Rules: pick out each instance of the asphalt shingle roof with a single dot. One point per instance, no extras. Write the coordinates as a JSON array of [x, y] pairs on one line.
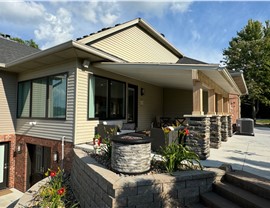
[[187, 60], [11, 50]]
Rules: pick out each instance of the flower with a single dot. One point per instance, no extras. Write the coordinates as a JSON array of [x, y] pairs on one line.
[[61, 191], [52, 173]]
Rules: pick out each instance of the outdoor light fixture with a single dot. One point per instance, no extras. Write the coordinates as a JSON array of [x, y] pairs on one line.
[[19, 148], [142, 91], [55, 156], [86, 63]]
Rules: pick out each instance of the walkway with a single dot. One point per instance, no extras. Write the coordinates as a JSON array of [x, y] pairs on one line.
[[248, 153], [10, 199]]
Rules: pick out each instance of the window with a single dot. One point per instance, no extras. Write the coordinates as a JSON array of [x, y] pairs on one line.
[[106, 98], [24, 99], [43, 98], [57, 96]]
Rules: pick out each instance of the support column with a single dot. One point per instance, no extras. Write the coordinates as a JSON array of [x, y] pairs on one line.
[[199, 138], [215, 132], [219, 104], [224, 128], [197, 98], [230, 131], [226, 106], [211, 102]]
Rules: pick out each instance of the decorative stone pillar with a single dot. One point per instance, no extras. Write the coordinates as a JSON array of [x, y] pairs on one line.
[[224, 128], [230, 131], [215, 132], [199, 138]]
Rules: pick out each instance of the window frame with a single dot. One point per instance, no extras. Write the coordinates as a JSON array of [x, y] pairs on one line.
[[47, 98], [109, 97]]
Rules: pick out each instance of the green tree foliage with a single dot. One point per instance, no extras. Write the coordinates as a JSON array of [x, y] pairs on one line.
[[30, 42], [249, 52]]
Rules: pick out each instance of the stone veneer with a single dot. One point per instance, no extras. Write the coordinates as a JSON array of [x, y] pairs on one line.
[[96, 186], [230, 131], [199, 138], [131, 158], [224, 128], [215, 132]]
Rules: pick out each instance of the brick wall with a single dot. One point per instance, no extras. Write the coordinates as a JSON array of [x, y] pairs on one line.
[[234, 107], [21, 159], [11, 139], [96, 186]]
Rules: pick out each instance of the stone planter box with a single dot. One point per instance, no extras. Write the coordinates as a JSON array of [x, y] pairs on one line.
[[131, 154]]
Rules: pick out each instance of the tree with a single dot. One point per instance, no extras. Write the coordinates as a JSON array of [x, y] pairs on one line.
[[30, 42], [249, 52]]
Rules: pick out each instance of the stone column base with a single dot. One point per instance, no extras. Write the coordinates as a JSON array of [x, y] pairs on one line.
[[224, 128], [215, 132], [199, 138]]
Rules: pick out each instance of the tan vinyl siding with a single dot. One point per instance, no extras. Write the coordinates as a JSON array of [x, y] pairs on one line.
[[85, 129], [149, 105], [8, 88], [134, 45], [52, 128], [177, 102]]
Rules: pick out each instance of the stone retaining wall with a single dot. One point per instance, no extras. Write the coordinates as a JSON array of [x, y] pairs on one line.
[[199, 139], [96, 186]]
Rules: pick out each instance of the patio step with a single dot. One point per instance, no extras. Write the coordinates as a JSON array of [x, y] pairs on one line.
[[214, 200], [250, 182], [240, 196]]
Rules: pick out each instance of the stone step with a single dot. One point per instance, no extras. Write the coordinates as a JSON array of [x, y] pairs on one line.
[[240, 196], [214, 200], [255, 184]]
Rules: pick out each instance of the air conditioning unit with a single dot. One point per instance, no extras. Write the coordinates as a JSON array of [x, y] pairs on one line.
[[245, 126]]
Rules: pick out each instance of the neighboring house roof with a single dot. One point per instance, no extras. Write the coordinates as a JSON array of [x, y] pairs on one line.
[[11, 50]]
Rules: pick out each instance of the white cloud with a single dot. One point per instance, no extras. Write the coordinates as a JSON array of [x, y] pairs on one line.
[[195, 35], [105, 13], [23, 12], [180, 6], [55, 29]]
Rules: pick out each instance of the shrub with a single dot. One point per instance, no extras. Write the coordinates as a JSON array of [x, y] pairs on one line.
[[177, 157]]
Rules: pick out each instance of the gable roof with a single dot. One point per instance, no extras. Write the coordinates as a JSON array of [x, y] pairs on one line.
[[129, 39], [11, 50]]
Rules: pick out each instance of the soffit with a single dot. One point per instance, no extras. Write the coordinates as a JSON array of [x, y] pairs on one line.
[[170, 75]]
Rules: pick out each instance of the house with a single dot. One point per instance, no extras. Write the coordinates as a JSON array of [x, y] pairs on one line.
[[126, 73]]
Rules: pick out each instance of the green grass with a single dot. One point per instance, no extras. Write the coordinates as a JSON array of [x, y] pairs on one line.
[[262, 121]]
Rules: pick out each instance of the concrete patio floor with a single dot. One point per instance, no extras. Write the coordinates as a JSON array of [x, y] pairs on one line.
[[248, 153]]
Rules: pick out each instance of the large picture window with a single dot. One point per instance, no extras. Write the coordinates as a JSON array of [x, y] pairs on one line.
[[106, 98], [43, 98]]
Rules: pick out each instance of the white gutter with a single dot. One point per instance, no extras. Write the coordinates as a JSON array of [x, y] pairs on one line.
[[224, 72], [235, 74], [159, 65]]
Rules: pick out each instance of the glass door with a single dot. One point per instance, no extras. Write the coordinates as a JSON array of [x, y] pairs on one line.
[[4, 165], [132, 104]]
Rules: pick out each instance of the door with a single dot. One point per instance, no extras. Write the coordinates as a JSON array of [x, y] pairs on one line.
[[4, 165], [39, 162], [132, 104]]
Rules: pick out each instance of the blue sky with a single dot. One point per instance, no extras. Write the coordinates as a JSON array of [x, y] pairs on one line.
[[199, 29]]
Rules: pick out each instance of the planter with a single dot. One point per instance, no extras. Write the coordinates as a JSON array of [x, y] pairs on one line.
[[131, 154]]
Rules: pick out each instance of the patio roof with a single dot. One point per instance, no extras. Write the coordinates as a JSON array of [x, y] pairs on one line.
[[172, 75]]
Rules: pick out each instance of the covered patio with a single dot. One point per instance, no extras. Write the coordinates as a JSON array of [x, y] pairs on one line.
[[197, 91]]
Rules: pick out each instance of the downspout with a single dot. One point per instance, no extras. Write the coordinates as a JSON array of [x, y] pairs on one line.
[[63, 155]]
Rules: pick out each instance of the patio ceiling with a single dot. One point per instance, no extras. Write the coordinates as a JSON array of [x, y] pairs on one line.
[[171, 75]]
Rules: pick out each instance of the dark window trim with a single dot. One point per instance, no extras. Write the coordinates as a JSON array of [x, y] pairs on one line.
[[47, 97], [109, 97]]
